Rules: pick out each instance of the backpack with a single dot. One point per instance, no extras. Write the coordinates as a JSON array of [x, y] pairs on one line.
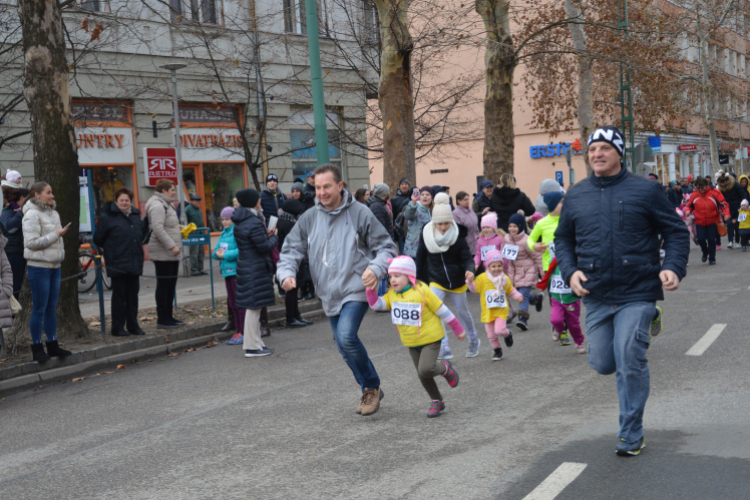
[[146, 226]]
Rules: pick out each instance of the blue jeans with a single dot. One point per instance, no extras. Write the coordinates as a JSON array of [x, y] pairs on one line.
[[345, 327], [618, 339], [45, 290], [383, 286], [527, 295]]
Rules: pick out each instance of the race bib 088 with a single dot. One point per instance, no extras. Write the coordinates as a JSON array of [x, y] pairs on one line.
[[494, 302], [406, 313]]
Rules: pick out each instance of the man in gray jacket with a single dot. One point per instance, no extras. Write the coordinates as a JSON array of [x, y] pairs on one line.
[[348, 250]]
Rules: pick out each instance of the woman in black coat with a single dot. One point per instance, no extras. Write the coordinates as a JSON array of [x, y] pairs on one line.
[[254, 267], [119, 235], [507, 200], [290, 213]]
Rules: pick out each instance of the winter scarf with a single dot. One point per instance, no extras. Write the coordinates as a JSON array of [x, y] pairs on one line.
[[439, 243]]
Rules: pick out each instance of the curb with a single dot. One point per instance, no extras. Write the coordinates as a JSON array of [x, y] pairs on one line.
[[29, 374]]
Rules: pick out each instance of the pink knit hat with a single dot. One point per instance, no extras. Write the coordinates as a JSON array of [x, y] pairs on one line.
[[404, 265], [536, 217], [492, 256], [490, 220]]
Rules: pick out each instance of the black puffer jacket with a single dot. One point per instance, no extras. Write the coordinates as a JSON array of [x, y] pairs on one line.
[[381, 213], [270, 203], [506, 202], [447, 269], [609, 229], [121, 239], [290, 213], [13, 229], [254, 266], [398, 203], [734, 194]]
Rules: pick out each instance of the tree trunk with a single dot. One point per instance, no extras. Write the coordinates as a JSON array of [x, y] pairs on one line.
[[706, 91], [585, 79], [500, 63], [47, 94], [395, 93]]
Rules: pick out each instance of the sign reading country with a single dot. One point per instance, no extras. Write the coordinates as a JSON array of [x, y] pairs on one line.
[[161, 163], [556, 149]]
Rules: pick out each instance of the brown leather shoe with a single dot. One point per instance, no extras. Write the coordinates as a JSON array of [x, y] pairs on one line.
[[370, 401]]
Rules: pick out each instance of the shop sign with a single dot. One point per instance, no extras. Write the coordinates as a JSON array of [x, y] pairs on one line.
[[97, 112], [211, 144], [728, 146], [193, 114], [103, 145], [211, 140], [161, 163], [654, 142], [556, 149], [687, 147]]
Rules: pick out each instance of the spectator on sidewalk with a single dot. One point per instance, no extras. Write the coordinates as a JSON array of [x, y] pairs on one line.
[[271, 198], [197, 252], [6, 288], [44, 252], [298, 193], [12, 220], [226, 253], [164, 250], [120, 236], [254, 268], [290, 214]]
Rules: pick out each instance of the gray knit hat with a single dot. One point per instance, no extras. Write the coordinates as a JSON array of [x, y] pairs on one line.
[[298, 186], [381, 190]]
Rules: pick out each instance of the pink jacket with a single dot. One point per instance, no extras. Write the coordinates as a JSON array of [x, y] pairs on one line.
[[483, 242], [527, 268]]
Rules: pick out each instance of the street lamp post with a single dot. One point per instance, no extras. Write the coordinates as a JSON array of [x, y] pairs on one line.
[[173, 67]]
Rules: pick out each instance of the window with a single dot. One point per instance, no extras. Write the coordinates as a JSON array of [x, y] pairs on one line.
[[107, 180], [90, 5], [371, 23], [305, 153], [439, 171], [295, 17], [201, 11]]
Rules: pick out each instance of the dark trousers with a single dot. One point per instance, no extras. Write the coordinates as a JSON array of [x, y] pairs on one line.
[[707, 236], [733, 231], [743, 239], [237, 312], [125, 302], [292, 305], [428, 367], [166, 282], [18, 266]]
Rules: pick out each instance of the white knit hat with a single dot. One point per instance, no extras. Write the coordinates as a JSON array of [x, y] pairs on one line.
[[405, 265], [441, 212]]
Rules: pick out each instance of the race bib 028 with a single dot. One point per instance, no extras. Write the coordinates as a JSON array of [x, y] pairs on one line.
[[406, 313], [557, 285], [495, 302]]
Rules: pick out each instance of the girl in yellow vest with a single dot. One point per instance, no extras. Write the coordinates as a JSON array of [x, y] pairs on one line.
[[417, 313], [494, 287], [744, 219]]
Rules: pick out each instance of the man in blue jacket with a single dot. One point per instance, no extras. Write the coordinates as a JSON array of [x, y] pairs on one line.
[[607, 248]]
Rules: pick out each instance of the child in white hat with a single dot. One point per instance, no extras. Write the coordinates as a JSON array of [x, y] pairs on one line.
[[417, 314]]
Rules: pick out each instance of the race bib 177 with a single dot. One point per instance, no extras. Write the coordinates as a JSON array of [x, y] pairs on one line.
[[510, 252], [485, 249]]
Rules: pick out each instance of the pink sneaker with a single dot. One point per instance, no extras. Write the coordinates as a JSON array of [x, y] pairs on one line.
[[450, 374]]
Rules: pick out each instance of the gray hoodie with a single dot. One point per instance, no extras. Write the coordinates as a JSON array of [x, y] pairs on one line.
[[340, 244], [548, 186]]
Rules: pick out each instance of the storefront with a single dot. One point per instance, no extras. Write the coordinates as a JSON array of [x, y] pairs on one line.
[[213, 162], [104, 137]]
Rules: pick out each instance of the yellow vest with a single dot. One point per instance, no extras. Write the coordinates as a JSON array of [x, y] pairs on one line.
[[745, 224], [490, 313]]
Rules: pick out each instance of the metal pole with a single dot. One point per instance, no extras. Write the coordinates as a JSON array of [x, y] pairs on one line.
[[316, 80], [742, 165], [98, 257], [178, 149]]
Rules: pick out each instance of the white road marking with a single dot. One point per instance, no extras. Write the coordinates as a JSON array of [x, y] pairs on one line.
[[706, 341], [556, 482]]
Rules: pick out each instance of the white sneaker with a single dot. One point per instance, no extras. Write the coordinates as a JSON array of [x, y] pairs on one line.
[[581, 349], [473, 350], [730, 245]]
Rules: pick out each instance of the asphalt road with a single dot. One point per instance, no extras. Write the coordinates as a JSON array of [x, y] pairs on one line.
[[213, 424]]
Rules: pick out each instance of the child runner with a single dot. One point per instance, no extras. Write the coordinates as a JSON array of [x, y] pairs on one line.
[[443, 260], [494, 287], [566, 308], [744, 219], [226, 252], [523, 267], [544, 230], [416, 311], [490, 239]]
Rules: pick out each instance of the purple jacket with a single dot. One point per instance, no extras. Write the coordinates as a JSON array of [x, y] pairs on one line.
[[467, 218]]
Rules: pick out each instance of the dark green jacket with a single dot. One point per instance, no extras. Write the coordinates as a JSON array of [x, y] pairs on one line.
[[194, 215]]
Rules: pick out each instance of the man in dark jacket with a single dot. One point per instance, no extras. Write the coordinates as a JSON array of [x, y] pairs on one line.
[[733, 194], [483, 203], [607, 248], [310, 184], [254, 268], [197, 252], [398, 203], [271, 198], [376, 202]]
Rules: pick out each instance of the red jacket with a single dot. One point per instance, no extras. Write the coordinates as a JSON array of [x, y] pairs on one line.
[[706, 206]]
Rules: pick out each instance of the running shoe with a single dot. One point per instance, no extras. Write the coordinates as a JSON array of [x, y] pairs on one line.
[[435, 408], [450, 374], [657, 325], [521, 324], [509, 340], [711, 262], [539, 302], [555, 335], [564, 338], [236, 339], [498, 354], [730, 245], [718, 247], [704, 257], [581, 348], [446, 353], [254, 353], [624, 448], [473, 350]]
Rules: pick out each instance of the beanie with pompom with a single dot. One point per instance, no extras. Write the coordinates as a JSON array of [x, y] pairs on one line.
[[490, 220], [442, 212]]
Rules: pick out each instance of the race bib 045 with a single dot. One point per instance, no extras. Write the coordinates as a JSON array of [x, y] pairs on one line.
[[495, 302], [406, 313]]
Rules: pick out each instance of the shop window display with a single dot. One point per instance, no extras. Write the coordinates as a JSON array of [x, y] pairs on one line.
[[219, 184], [106, 181]]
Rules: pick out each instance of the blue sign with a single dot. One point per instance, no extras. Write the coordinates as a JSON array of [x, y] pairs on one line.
[[559, 176], [654, 141], [197, 239], [552, 150]]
